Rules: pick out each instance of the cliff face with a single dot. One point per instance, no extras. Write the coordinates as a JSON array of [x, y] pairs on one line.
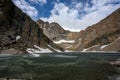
[[52, 30], [57, 34], [18, 31], [102, 33]]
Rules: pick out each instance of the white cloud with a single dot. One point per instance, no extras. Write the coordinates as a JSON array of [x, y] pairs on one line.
[[26, 7], [69, 17], [38, 1]]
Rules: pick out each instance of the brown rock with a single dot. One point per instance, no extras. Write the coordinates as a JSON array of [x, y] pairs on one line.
[[114, 46], [11, 51]]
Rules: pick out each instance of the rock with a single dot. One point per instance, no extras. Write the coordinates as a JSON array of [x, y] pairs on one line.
[[116, 63], [11, 51], [13, 23], [104, 32], [114, 46], [94, 48]]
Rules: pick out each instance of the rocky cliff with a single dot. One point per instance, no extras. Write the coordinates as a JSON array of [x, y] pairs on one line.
[[93, 37], [58, 35], [18, 31], [102, 33]]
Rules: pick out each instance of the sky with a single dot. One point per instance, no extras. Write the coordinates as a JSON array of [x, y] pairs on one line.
[[73, 15]]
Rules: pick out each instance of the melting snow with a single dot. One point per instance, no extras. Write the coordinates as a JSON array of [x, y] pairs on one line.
[[30, 50], [84, 50], [54, 48], [38, 50], [42, 50], [65, 56], [68, 51], [18, 37], [103, 46], [64, 41]]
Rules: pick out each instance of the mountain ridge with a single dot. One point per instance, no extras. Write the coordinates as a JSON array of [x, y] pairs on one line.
[[102, 33]]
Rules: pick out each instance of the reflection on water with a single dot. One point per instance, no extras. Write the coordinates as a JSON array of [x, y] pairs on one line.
[[54, 66]]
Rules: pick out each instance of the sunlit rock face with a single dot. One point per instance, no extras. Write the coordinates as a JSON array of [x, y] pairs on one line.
[[106, 32], [14, 23], [103, 33], [114, 46]]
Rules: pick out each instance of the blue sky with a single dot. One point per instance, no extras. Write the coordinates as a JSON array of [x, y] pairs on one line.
[[73, 15]]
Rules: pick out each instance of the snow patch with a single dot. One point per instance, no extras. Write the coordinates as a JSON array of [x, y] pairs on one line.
[[17, 38], [64, 41], [30, 50], [42, 50], [38, 50], [65, 56], [54, 48], [85, 50], [68, 51], [110, 43], [103, 46]]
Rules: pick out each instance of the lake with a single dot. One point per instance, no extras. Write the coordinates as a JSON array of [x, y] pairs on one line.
[[60, 66]]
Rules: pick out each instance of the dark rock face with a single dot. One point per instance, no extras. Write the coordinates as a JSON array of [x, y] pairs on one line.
[[53, 30], [13, 23]]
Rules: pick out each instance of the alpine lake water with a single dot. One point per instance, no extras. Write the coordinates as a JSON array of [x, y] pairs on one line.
[[60, 66]]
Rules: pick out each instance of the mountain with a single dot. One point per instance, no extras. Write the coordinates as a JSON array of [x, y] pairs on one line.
[[19, 33], [57, 34], [52, 30], [93, 38], [104, 32]]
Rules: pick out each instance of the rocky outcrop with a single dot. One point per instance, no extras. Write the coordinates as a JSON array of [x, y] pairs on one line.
[[18, 31], [114, 46], [53, 30], [11, 51], [115, 63]]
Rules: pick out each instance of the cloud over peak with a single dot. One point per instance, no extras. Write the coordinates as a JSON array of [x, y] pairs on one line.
[[77, 16], [73, 15], [38, 1]]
